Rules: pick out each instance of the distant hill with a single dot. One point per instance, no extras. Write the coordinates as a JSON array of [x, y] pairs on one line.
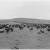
[[27, 20]]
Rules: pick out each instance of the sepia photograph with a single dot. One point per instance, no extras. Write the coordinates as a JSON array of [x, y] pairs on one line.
[[24, 24]]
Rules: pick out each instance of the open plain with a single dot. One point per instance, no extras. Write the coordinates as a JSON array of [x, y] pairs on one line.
[[24, 33]]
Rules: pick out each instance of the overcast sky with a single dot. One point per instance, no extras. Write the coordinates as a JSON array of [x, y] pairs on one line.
[[25, 9]]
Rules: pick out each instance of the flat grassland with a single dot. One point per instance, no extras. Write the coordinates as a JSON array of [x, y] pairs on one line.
[[29, 39]]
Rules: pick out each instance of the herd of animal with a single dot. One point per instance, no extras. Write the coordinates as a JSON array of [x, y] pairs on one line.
[[30, 26], [9, 27]]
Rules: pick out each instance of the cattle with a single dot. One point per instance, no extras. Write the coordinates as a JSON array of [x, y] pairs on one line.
[[7, 29], [48, 29], [31, 28], [20, 27], [11, 29], [42, 31], [1, 31], [43, 26], [17, 25]]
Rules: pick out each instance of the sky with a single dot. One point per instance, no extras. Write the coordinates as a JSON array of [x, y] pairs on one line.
[[35, 9]]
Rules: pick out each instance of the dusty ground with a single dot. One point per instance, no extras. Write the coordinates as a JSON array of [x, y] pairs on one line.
[[26, 37]]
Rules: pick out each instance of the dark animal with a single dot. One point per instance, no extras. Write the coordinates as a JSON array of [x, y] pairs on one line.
[[41, 31], [7, 29], [11, 29], [2, 31], [48, 29]]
